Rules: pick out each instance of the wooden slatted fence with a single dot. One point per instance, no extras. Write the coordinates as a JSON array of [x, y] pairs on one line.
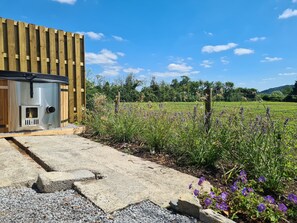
[[31, 48]]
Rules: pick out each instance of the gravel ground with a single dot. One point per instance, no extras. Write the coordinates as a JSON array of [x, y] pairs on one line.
[[25, 205]]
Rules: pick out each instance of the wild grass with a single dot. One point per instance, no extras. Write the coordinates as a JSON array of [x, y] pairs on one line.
[[248, 135]]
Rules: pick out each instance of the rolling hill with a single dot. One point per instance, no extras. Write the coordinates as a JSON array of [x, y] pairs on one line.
[[280, 88]]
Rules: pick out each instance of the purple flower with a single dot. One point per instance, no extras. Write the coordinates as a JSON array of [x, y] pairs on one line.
[[250, 190], [269, 199], [196, 192], [234, 187], [243, 176], [201, 180], [222, 206], [190, 186], [242, 173], [212, 194], [282, 207], [261, 179], [261, 207], [293, 198], [224, 196], [244, 191], [207, 202]]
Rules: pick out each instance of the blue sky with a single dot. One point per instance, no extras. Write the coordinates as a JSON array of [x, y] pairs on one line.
[[252, 43]]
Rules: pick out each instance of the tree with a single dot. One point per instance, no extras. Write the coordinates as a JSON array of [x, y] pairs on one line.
[[128, 89], [276, 96], [293, 95], [287, 90], [91, 90], [184, 81], [294, 92], [229, 91]]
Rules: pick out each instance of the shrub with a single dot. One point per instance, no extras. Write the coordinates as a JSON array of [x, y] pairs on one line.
[[124, 126], [157, 132]]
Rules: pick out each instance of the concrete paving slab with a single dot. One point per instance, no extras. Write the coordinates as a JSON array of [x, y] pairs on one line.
[[114, 192], [50, 182], [15, 168], [128, 176]]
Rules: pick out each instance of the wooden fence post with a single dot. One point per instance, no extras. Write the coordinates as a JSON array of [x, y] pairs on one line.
[[208, 108], [195, 113], [117, 103]]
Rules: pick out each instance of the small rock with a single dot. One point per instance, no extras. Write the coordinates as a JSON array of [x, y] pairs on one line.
[[210, 216], [50, 182], [186, 204]]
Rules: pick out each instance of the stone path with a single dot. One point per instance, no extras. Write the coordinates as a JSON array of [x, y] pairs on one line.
[[126, 179], [15, 168], [115, 180]]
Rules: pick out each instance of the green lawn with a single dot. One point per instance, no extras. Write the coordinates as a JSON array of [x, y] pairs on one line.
[[278, 110]]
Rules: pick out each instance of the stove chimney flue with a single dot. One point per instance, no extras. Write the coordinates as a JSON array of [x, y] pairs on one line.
[[50, 109]]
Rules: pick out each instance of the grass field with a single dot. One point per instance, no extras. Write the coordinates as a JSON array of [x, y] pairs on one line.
[[278, 110]]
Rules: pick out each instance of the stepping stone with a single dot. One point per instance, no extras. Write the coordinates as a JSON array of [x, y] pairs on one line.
[[16, 169], [50, 182], [114, 192]]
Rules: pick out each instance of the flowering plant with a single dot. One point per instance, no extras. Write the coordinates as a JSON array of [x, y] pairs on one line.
[[244, 199]]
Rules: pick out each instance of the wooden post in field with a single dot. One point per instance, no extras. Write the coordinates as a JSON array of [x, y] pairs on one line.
[[208, 109], [117, 103], [195, 113]]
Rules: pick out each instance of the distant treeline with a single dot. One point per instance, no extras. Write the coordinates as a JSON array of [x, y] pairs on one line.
[[183, 90]]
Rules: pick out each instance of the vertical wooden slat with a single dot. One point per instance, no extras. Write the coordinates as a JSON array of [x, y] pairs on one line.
[[64, 105], [52, 48], [12, 104], [83, 74], [3, 106], [61, 53], [11, 45], [22, 45], [70, 77], [1, 46], [78, 78], [42, 46], [33, 48]]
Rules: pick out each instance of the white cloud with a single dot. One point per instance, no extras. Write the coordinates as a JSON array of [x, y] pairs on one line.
[[256, 39], [142, 77], [93, 35], [288, 13], [243, 51], [288, 74], [70, 2], [166, 74], [133, 70], [118, 38], [111, 71], [206, 63], [224, 60], [217, 48], [103, 57], [179, 67], [121, 54], [208, 33], [271, 59], [173, 74]]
